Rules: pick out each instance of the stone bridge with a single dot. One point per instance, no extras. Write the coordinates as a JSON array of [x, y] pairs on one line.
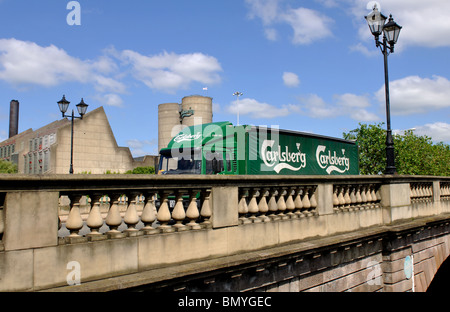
[[222, 233]]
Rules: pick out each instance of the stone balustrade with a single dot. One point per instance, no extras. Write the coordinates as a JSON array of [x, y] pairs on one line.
[[264, 204], [348, 197], [164, 220], [421, 192], [118, 214], [445, 191]]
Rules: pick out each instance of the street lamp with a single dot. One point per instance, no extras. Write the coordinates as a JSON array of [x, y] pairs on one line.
[[81, 107], [390, 31], [237, 94]]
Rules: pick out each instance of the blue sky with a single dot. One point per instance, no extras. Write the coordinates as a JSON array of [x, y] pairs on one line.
[[301, 65]]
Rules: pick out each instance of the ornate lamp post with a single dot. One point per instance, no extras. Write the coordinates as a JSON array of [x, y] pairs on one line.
[[63, 106], [390, 31]]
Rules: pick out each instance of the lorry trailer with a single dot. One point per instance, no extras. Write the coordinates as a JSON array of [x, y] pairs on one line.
[[221, 148]]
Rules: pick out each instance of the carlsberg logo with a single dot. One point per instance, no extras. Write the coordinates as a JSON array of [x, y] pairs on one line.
[[331, 161], [279, 158], [187, 137]]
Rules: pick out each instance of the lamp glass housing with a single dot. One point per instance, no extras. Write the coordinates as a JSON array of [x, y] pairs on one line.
[[63, 104], [376, 21], [391, 31], [82, 107]]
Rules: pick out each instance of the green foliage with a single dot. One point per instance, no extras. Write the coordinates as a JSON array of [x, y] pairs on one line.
[[414, 155], [7, 167], [111, 172], [142, 170]]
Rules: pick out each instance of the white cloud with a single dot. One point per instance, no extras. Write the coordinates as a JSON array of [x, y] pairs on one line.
[[143, 147], [266, 10], [169, 72], [314, 106], [438, 131], [290, 79], [308, 25], [350, 105], [256, 109], [110, 99], [24, 63], [416, 95]]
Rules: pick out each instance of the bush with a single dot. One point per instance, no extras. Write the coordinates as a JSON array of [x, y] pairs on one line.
[[142, 170], [7, 167]]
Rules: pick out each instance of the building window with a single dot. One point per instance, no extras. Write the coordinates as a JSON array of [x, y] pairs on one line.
[[46, 160], [25, 164]]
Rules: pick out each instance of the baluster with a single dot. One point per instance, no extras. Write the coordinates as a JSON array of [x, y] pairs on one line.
[[178, 213], [273, 207], [335, 198], [148, 215], [95, 220], [243, 208], [363, 197], [163, 216], [263, 207], [347, 198], [298, 201], [192, 212], [312, 199], [374, 196], [253, 208], [113, 219], [131, 217], [206, 209], [358, 197], [281, 203], [305, 201], [369, 203], [290, 205], [353, 200], [74, 222], [341, 197]]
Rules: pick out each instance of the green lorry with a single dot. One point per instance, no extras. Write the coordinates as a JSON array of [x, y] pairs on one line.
[[221, 148]]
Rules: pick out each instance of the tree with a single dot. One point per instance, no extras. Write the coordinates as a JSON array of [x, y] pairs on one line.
[[7, 167], [414, 154]]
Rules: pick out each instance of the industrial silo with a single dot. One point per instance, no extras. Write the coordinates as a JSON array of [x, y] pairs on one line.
[[168, 123], [196, 108]]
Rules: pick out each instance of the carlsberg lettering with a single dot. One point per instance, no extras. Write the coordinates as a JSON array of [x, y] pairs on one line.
[[279, 158], [331, 161], [187, 137]]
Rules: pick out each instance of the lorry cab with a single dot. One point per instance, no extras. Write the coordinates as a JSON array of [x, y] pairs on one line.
[[200, 149]]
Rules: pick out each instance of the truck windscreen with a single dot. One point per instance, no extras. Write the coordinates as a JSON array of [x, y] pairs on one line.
[[179, 165]]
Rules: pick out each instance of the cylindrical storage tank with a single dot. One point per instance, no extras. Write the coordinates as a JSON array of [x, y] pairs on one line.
[[168, 123], [201, 107]]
